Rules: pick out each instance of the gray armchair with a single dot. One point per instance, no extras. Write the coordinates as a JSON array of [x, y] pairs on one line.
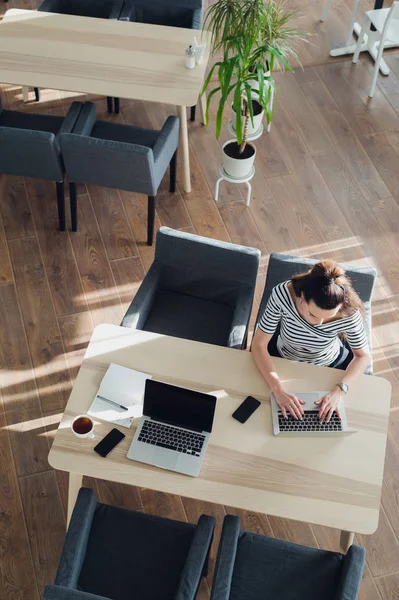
[[256, 567], [112, 553], [173, 13], [197, 288], [29, 147], [282, 267], [119, 156], [100, 9]]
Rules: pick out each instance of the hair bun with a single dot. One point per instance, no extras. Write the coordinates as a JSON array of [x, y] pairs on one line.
[[328, 269]]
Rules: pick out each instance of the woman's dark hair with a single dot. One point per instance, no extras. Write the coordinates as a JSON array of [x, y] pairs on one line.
[[328, 286]]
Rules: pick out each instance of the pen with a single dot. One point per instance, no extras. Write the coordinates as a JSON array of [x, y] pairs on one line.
[[112, 402]]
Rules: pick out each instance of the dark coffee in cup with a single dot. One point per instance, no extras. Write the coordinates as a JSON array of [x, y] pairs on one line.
[[82, 425]]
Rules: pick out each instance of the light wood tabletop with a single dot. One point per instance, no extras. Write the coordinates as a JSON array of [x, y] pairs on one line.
[[101, 56], [333, 481]]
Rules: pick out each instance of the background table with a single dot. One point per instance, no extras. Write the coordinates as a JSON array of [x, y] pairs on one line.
[[102, 56], [333, 482]]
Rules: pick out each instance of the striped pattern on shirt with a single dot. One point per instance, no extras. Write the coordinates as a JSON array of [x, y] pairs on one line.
[[299, 340]]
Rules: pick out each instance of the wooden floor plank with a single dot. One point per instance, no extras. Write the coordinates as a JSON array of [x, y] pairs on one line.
[[347, 83], [15, 208], [310, 181], [45, 524], [76, 331], [111, 217], [136, 209], [339, 130], [118, 494], [390, 490], [56, 249], [297, 106], [162, 505], [293, 531], [6, 275], [384, 158], [129, 274], [388, 586], [381, 548], [17, 576], [98, 282], [18, 382], [41, 325]]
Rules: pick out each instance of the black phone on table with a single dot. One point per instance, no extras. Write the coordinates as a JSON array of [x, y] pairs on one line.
[[109, 442], [246, 409]]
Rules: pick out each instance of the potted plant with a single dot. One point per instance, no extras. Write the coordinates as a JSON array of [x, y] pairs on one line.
[[236, 28]]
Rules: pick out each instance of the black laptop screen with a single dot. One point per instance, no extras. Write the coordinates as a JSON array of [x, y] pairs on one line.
[[178, 406]]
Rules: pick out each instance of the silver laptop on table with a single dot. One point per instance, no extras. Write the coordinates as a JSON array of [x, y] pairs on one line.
[[174, 430], [310, 424]]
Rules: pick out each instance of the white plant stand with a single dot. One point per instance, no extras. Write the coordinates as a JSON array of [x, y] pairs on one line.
[[226, 177]]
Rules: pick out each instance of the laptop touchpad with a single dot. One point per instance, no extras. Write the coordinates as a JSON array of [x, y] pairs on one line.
[[166, 459]]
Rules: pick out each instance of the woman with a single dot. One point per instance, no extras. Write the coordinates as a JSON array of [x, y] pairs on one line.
[[314, 312]]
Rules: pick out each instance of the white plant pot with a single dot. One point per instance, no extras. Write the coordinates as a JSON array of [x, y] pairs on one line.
[[252, 129], [255, 84], [238, 168]]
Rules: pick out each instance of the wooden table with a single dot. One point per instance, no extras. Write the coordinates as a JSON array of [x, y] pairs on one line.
[[332, 482], [101, 56]]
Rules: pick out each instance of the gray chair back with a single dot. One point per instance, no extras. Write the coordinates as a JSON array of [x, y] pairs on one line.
[[282, 267], [109, 163], [30, 153], [101, 9], [179, 13], [204, 267]]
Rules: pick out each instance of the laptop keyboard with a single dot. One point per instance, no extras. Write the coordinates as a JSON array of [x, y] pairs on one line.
[[310, 422], [171, 438]]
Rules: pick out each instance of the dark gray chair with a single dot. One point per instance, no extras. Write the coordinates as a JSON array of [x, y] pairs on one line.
[[112, 553], [282, 267], [197, 288], [120, 156], [173, 13], [100, 9], [254, 567], [29, 147]]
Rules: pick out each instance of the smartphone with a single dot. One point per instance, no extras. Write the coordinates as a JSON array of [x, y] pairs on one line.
[[109, 442], [245, 410]]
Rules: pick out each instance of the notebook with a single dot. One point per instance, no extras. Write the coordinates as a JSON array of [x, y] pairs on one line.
[[125, 387]]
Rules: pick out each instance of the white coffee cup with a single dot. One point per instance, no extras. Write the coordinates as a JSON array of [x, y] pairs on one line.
[[82, 426]]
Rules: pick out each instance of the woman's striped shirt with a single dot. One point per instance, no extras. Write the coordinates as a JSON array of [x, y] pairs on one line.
[[299, 340]]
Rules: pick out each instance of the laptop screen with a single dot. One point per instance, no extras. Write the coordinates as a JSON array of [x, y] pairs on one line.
[[178, 406]]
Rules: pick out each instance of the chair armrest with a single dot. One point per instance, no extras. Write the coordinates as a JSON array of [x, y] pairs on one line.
[[86, 120], [167, 140], [165, 146], [128, 12], [74, 550], [50, 6], [116, 10], [351, 574], [226, 558], [71, 118], [242, 314], [196, 559], [55, 592], [197, 20], [140, 307]]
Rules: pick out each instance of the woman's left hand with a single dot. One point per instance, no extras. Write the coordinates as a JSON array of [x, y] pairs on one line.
[[330, 403]]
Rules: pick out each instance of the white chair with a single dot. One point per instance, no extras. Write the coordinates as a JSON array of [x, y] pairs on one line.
[[386, 22]]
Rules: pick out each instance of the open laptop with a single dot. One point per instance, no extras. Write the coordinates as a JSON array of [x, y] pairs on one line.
[[310, 424], [174, 430]]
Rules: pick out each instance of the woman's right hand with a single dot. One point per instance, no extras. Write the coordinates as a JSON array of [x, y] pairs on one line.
[[289, 403]]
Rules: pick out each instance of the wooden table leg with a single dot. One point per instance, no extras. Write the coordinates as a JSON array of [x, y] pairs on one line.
[[25, 93], [184, 146], [75, 483], [346, 540]]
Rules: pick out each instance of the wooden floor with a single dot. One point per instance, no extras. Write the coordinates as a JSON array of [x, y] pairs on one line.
[[327, 184]]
